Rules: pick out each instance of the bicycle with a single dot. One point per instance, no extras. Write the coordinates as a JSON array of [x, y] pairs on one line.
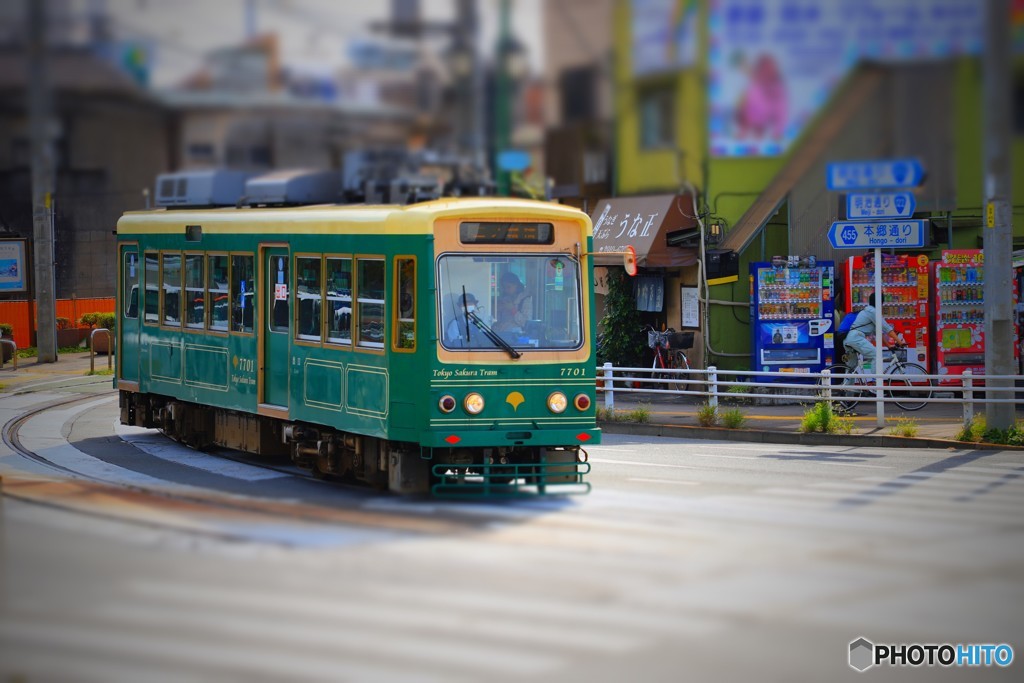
[[849, 386], [670, 354]]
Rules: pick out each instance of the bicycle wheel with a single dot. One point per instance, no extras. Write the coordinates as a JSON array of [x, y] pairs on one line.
[[912, 389], [684, 379], [847, 388], [666, 380]]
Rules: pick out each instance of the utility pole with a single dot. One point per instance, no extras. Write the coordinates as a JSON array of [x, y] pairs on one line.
[[502, 99], [998, 235], [39, 113]]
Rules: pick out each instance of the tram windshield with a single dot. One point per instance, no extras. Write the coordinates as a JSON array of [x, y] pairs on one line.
[[521, 302]]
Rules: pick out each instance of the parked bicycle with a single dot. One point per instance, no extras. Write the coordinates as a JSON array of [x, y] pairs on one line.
[[905, 382], [670, 354]]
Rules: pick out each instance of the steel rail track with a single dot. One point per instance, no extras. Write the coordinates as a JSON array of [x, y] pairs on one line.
[[271, 510]]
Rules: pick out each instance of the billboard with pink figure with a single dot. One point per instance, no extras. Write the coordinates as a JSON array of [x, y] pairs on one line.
[[774, 63]]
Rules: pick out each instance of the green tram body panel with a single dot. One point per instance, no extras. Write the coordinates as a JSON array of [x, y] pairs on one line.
[[383, 393]]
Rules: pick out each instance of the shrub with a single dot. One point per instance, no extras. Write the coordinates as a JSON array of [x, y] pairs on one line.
[[6, 329], [98, 319], [1014, 436], [622, 343], [707, 415], [904, 426], [63, 323], [821, 418], [641, 414], [737, 394], [734, 418]]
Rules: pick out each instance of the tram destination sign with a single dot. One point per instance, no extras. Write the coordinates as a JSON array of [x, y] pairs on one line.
[[880, 174], [879, 234]]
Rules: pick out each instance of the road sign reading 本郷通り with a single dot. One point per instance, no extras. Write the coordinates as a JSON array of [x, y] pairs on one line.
[[863, 175], [860, 206], [895, 234]]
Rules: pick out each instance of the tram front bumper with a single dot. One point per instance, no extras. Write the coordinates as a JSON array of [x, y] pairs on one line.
[[509, 436]]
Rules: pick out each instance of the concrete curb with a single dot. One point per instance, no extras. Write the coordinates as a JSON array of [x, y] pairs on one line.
[[813, 439]]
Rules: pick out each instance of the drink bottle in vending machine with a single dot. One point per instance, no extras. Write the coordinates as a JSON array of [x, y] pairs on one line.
[[905, 292], [791, 315], [958, 296]]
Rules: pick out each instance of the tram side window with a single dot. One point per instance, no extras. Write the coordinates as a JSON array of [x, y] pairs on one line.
[[339, 300], [194, 292], [308, 286], [405, 303], [130, 286], [370, 302], [242, 290], [171, 288], [217, 291], [152, 298]]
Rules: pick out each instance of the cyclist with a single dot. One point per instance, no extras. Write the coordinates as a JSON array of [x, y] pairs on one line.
[[863, 325]]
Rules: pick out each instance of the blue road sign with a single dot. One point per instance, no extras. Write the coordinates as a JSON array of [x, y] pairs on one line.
[[894, 234], [863, 175], [860, 206]]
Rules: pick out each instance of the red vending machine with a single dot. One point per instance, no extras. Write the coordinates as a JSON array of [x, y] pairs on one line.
[[905, 286], [959, 294]]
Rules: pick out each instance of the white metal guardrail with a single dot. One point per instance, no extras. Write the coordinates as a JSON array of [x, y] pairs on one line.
[[714, 383]]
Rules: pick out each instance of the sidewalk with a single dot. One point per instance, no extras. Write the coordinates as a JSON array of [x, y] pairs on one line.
[[676, 416], [30, 370]]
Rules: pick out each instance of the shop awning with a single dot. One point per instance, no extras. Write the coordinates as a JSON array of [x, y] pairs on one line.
[[656, 226]]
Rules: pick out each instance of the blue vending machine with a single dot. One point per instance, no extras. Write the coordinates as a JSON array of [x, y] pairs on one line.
[[791, 315]]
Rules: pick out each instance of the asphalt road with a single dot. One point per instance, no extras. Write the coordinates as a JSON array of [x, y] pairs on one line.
[[690, 560]]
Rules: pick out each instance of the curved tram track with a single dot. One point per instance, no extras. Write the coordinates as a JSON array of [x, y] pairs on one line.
[[203, 508]]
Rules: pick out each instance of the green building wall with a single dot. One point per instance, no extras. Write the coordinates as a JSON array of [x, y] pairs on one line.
[[728, 186]]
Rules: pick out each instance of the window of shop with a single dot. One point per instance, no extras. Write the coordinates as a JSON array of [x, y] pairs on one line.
[[656, 117]]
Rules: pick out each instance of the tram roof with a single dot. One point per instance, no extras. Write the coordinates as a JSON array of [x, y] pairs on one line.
[[345, 218]]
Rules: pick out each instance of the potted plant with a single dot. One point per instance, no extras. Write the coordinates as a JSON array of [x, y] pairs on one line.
[[96, 321], [67, 335], [6, 332]]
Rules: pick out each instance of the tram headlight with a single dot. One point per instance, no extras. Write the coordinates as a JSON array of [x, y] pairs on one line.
[[447, 403], [582, 402], [557, 402], [473, 403]]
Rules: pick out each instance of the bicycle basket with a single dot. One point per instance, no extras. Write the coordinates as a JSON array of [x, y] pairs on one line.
[[655, 338], [901, 354], [680, 340]]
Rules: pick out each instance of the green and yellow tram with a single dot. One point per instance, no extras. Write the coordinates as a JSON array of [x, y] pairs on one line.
[[444, 346]]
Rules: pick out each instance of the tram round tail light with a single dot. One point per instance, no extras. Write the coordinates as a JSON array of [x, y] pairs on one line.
[[473, 403], [582, 402], [557, 402], [447, 403]]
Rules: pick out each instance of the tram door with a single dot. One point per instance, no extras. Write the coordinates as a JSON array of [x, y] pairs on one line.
[[128, 317], [274, 369]]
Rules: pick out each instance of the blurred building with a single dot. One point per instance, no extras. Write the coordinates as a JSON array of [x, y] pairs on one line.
[[244, 110], [578, 100], [735, 108], [110, 140]]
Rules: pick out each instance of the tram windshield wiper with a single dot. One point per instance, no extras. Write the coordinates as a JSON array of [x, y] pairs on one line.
[[492, 335]]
